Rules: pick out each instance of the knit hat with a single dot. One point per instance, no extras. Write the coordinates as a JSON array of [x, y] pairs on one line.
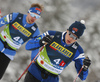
[[78, 28]]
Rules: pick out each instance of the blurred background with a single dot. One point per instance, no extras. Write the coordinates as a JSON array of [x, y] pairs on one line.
[[59, 15]]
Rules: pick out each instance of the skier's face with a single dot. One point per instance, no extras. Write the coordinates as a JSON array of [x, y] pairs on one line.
[[70, 37], [31, 18]]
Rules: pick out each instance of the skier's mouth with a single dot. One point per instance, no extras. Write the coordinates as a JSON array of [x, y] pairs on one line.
[[68, 41], [32, 20]]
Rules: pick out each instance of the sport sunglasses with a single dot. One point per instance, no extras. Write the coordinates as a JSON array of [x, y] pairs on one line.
[[34, 15], [72, 36]]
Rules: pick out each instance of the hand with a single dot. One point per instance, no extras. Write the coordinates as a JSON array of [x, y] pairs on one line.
[[86, 63], [46, 39]]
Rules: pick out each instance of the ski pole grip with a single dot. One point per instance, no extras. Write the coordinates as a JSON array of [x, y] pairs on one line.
[[86, 57], [45, 44]]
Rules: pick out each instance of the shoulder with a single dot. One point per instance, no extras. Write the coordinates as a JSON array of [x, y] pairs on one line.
[[80, 49], [37, 32], [51, 32], [12, 16], [79, 53], [15, 13]]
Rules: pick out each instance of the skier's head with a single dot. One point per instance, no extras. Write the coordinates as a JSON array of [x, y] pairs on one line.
[[34, 13], [35, 8], [77, 28], [75, 31]]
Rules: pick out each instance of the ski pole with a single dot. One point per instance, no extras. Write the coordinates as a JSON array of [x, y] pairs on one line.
[[30, 64], [80, 69], [78, 73]]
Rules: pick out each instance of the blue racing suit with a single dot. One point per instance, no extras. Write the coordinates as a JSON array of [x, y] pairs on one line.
[[16, 33], [55, 57]]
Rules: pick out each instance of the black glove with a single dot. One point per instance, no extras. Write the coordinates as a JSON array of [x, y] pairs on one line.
[[86, 63], [46, 39]]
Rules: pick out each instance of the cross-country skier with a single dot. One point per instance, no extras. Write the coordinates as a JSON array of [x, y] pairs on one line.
[[60, 51], [19, 28]]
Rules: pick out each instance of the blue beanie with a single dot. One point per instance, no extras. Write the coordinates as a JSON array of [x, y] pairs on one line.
[[77, 28]]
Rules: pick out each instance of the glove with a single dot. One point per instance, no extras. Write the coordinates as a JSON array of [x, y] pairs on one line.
[[46, 39], [86, 63]]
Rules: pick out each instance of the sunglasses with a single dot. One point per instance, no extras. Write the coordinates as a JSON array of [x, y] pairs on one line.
[[34, 15], [72, 36]]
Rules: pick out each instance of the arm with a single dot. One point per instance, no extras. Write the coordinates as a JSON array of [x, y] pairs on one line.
[[79, 57], [35, 43], [78, 65], [32, 44]]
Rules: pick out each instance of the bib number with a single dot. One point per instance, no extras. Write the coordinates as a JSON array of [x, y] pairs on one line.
[[57, 61], [16, 38]]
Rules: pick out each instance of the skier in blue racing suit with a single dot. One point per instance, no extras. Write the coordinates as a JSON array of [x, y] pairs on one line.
[[61, 50], [19, 29]]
